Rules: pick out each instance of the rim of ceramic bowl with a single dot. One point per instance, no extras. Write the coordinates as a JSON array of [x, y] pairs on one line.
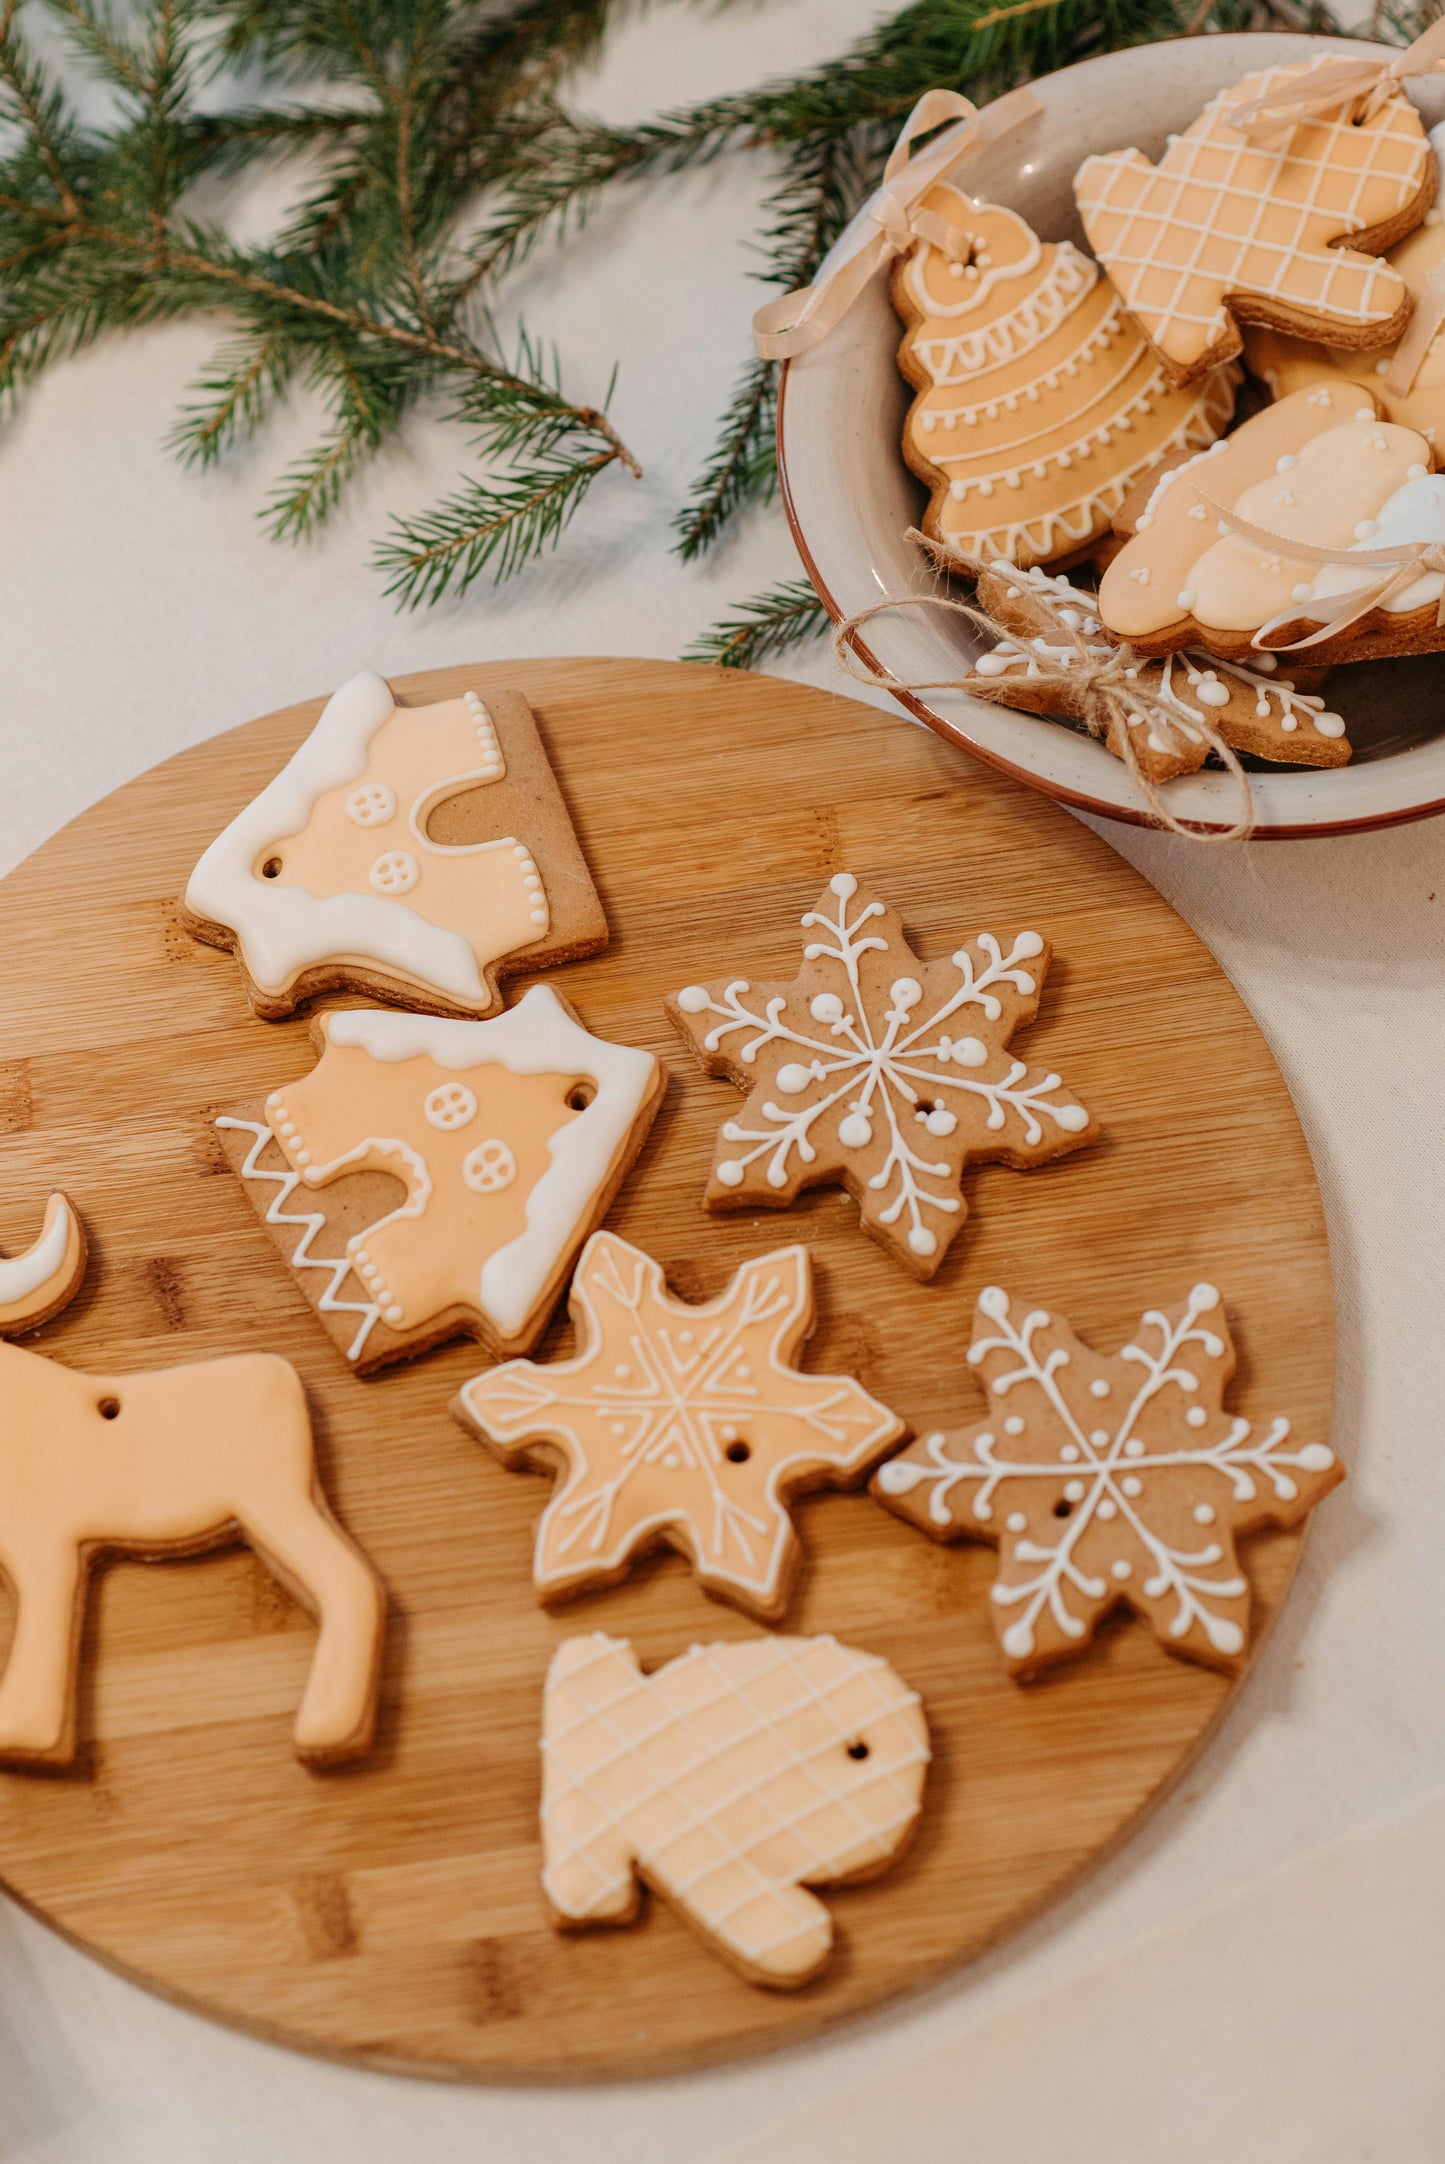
[[1226, 57]]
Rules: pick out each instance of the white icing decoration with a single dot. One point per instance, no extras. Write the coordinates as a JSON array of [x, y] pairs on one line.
[[1415, 512], [284, 930], [395, 872], [371, 805], [450, 1105], [489, 1167], [23, 1275], [537, 1036]]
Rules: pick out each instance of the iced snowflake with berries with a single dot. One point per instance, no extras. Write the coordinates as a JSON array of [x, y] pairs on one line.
[[687, 1424], [1108, 1481], [881, 1072]]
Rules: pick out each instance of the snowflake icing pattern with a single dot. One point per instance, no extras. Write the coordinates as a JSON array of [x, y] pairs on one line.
[[683, 1424], [1110, 1480], [890, 1079]]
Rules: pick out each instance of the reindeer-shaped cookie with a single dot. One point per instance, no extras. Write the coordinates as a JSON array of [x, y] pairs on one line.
[[731, 1780], [160, 1464]]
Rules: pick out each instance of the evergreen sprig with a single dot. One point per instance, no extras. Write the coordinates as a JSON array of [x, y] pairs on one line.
[[773, 623], [360, 296]]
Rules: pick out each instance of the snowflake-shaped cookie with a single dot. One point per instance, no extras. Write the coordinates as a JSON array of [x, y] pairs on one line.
[[689, 1425], [881, 1072], [1108, 1481]]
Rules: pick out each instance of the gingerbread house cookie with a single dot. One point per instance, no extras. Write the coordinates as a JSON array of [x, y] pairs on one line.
[[509, 1138], [1040, 402], [410, 853]]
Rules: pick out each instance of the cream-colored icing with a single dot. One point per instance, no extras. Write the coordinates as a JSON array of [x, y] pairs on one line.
[[1045, 402], [334, 861], [167, 1462], [690, 1424], [502, 1172], [32, 1283], [1415, 512], [730, 1780], [1177, 527], [1109, 1480], [1219, 220]]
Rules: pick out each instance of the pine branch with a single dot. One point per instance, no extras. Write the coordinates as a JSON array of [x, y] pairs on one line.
[[788, 616]]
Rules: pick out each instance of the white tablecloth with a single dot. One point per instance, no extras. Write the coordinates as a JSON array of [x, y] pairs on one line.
[[143, 610]]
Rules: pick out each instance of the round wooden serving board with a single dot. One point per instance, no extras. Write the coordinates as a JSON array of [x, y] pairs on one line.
[[392, 1912]]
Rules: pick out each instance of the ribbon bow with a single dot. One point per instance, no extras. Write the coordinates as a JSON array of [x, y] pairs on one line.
[[1399, 565], [1361, 84], [892, 219]]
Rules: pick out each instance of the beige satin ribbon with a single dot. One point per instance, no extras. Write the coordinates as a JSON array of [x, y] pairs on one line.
[[1409, 560], [1339, 83], [892, 221], [1425, 326]]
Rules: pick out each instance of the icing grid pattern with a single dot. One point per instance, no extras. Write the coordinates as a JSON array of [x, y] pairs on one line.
[[660, 1393], [954, 359], [1048, 533], [311, 1223], [589, 1736], [1109, 1475], [1129, 207]]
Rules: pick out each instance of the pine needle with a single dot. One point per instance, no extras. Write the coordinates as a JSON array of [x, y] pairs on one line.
[[776, 622]]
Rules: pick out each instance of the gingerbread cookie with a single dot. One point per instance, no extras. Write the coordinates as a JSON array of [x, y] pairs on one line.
[[730, 1781], [690, 1425], [154, 1465], [411, 853], [1258, 710], [510, 1138], [1223, 231], [1318, 468], [878, 1072], [1110, 1481], [1290, 364], [38, 1284], [1040, 402]]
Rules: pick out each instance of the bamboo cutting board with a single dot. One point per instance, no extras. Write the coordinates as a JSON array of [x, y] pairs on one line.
[[391, 1912]]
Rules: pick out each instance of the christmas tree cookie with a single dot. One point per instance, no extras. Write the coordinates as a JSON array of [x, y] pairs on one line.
[[411, 853], [1039, 402], [880, 1073], [1110, 1481]]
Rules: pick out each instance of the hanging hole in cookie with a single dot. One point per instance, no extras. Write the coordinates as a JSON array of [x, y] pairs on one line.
[[271, 869], [859, 1749], [1063, 1508], [580, 1096], [738, 1453], [108, 1408]]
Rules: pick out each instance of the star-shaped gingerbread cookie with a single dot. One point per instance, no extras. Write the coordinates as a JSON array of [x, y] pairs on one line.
[[881, 1073], [687, 1425], [1110, 1481]]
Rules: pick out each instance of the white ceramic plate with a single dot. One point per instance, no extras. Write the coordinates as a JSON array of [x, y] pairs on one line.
[[851, 499]]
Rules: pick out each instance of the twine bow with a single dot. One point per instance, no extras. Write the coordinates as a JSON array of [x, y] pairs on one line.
[[1400, 566], [1361, 86], [1108, 689], [892, 220]]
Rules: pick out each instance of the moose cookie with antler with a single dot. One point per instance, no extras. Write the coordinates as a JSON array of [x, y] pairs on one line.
[[878, 1072], [411, 853], [1040, 402], [1230, 228], [1286, 525]]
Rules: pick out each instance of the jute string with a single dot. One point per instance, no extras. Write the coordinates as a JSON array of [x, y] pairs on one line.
[[1099, 685]]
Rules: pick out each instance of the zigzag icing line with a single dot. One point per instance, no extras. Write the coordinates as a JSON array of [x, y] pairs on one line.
[[1071, 277], [311, 1223]]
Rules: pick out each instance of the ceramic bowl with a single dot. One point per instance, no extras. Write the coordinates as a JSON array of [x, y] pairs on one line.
[[850, 498]]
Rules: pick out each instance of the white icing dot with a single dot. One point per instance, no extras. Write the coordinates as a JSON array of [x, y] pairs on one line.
[[1072, 1118], [1366, 413], [921, 1241], [1416, 473], [827, 1007], [844, 885], [693, 998], [1212, 693], [793, 1078], [1285, 464], [395, 872], [1121, 1567], [1330, 724], [730, 1173], [1068, 1452], [1108, 1508], [1133, 1448], [392, 1315], [1098, 1436], [1098, 1388], [1016, 1521], [1132, 1484], [1204, 1297], [1204, 1514], [855, 1132], [1075, 1490], [940, 1121], [1013, 1425], [1316, 1457], [1185, 598], [1196, 1416]]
